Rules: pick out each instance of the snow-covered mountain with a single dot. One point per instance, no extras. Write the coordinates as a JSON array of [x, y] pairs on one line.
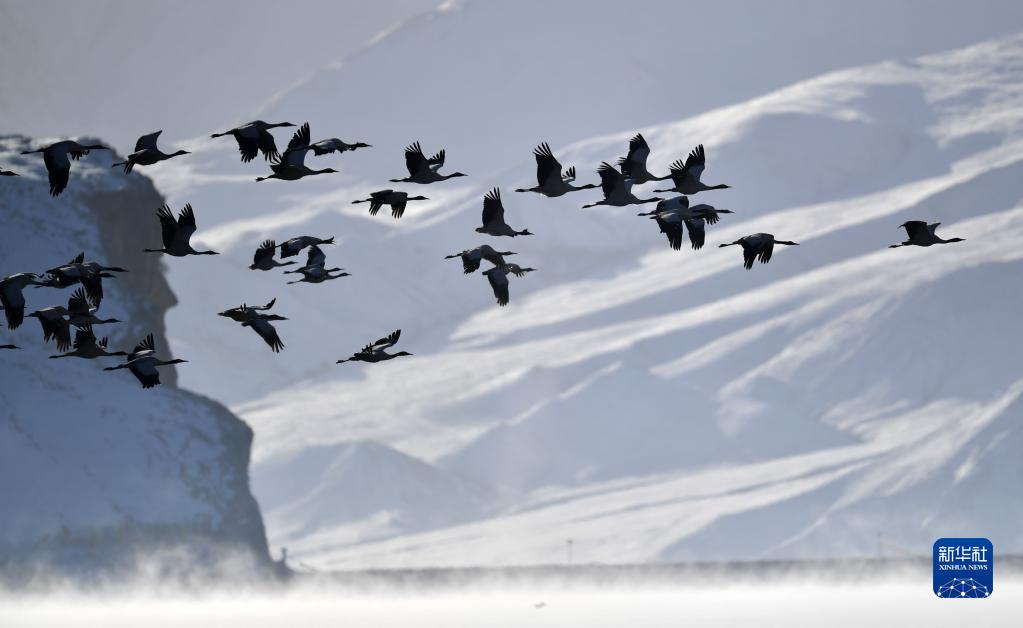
[[94, 470], [660, 405], [646, 403]]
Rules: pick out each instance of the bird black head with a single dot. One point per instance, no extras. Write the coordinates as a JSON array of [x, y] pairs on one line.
[[457, 174], [417, 198]]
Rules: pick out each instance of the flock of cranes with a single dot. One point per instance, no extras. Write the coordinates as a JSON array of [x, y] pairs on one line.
[[675, 217]]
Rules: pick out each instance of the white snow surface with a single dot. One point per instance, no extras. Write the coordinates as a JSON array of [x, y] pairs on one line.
[[650, 405]]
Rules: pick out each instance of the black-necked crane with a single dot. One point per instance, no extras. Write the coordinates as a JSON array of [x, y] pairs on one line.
[[258, 322], [55, 325], [922, 234], [498, 278], [58, 156], [633, 165], [686, 176], [617, 189], [263, 259], [674, 216], [471, 258], [177, 234], [493, 217], [315, 270], [147, 153], [8, 173], [294, 246], [9, 347], [757, 246], [332, 145], [377, 351], [240, 314], [90, 274], [550, 180], [423, 170], [291, 164], [255, 137], [397, 200], [12, 298], [87, 347], [143, 363], [82, 312]]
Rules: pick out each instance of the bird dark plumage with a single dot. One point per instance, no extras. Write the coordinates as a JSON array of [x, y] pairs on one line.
[[757, 246], [143, 363], [471, 258], [922, 234], [177, 234], [493, 217], [57, 158], [377, 351], [423, 170]]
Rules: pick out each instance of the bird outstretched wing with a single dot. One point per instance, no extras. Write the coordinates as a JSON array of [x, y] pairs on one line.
[[168, 225], [546, 164], [609, 178], [493, 209], [415, 160], [147, 142]]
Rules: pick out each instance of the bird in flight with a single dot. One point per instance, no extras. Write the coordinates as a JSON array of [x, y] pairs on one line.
[[377, 351], [922, 234], [57, 158], [757, 246], [550, 180], [146, 153], [177, 234], [423, 170], [686, 176], [143, 363], [254, 138]]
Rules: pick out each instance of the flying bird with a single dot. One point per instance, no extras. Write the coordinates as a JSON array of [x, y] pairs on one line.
[[333, 144], [54, 325], [12, 298], [146, 153], [498, 278], [254, 319], [395, 199], [686, 176], [757, 246], [471, 258], [177, 234], [290, 166], [315, 270], [922, 234], [89, 274], [550, 181], [143, 363], [493, 217], [263, 259], [294, 246], [633, 165], [674, 216], [57, 158], [423, 170], [81, 312], [377, 351], [87, 347], [617, 189], [255, 137], [240, 314], [8, 173]]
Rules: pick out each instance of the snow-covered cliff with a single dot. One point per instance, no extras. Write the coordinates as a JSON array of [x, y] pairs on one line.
[[94, 470]]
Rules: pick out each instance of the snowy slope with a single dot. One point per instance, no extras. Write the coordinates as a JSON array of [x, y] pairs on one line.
[[92, 467], [660, 405]]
